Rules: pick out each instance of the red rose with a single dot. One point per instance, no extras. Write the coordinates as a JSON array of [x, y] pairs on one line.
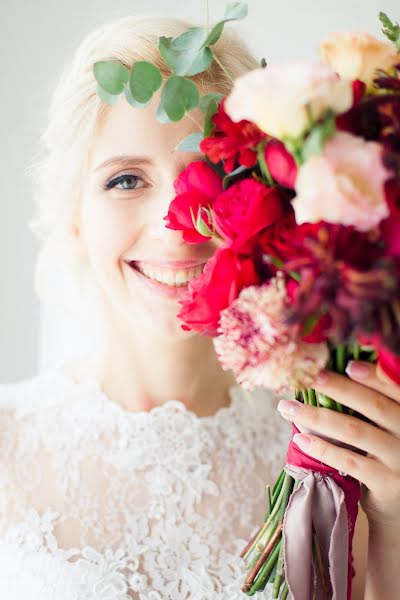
[[232, 142], [390, 364], [243, 210], [390, 227], [224, 275], [280, 163], [198, 185], [348, 121]]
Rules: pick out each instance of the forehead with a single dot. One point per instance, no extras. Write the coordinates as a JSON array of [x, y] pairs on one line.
[[125, 129]]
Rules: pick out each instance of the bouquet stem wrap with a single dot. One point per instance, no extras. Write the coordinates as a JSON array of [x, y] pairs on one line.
[[325, 502]]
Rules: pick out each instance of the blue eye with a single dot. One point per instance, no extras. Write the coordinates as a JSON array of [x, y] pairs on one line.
[[123, 179]]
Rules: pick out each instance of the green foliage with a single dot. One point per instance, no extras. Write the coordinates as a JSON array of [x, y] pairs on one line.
[[191, 142], [161, 115], [131, 99], [145, 79], [390, 30], [233, 12], [178, 96], [205, 100], [320, 133], [186, 55], [105, 96], [208, 124], [199, 224], [231, 177], [112, 76]]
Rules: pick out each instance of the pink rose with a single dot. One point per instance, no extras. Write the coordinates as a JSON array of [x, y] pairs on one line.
[[198, 185], [345, 184]]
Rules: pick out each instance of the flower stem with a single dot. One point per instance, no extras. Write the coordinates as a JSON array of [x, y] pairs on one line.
[[284, 592], [279, 572], [262, 565], [325, 584]]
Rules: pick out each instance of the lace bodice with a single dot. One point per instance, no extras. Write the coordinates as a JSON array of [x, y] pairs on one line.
[[100, 503]]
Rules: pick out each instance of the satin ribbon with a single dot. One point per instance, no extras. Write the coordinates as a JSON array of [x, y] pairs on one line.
[[328, 500]]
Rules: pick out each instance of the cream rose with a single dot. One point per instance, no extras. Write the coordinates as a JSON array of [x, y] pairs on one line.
[[278, 97], [358, 55], [344, 184]]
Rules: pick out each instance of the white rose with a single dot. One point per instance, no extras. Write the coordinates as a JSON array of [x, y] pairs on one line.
[[280, 99]]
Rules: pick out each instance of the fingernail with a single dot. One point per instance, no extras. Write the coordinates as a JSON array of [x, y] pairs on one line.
[[356, 369], [322, 377], [303, 441], [291, 407]]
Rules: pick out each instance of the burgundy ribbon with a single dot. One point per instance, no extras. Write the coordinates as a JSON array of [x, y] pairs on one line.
[[329, 501]]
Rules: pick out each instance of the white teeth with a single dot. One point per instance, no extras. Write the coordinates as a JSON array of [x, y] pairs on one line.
[[174, 278]]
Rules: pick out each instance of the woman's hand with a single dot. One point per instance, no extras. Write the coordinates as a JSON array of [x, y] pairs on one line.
[[368, 391]]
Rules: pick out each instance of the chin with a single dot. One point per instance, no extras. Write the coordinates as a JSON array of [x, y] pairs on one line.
[[169, 329]]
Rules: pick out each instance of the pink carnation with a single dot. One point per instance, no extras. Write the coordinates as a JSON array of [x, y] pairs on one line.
[[259, 348]]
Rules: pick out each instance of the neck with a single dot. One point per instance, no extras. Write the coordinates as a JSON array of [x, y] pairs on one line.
[[140, 370]]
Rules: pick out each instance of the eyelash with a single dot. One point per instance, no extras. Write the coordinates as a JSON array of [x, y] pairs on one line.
[[113, 182]]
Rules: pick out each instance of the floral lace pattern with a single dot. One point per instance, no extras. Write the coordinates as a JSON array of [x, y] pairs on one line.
[[99, 503]]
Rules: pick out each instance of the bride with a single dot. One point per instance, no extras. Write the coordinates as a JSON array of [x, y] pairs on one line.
[[135, 469]]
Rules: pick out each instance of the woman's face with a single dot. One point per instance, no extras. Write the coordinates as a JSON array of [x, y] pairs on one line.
[[127, 190]]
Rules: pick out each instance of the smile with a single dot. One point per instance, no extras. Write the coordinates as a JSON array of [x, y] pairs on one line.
[[169, 282]]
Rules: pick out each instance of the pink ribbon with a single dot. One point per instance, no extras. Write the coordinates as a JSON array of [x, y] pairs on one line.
[[329, 501]]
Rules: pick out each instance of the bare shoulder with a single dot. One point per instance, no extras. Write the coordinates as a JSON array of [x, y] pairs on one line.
[[360, 555]]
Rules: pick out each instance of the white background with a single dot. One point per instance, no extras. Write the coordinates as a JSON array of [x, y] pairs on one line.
[[36, 39]]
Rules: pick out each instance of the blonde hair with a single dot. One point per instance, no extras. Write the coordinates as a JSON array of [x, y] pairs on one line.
[[75, 112]]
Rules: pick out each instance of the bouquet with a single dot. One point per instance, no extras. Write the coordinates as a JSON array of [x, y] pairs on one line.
[[300, 185], [307, 274]]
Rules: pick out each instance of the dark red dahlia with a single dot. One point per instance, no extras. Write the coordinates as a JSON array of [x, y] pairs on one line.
[[340, 272]]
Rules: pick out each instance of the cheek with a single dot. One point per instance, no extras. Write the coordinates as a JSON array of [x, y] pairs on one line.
[[108, 229]]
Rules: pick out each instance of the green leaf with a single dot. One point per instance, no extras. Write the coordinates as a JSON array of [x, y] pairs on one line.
[[226, 180], [208, 124], [145, 79], [215, 34], [105, 96], [318, 136], [191, 39], [178, 96], [200, 225], [187, 62], [269, 258], [191, 142], [233, 12], [131, 99], [205, 100], [390, 30], [112, 76], [309, 324], [161, 115]]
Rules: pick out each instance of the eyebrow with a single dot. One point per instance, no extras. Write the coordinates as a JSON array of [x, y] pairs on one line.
[[125, 160]]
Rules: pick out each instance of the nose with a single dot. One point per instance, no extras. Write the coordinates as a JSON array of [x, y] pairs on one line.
[[169, 237], [156, 226]]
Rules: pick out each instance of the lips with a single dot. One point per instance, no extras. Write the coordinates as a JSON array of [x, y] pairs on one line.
[[169, 264], [162, 289]]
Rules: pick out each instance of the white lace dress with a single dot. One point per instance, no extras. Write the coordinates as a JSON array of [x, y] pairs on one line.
[[100, 503]]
